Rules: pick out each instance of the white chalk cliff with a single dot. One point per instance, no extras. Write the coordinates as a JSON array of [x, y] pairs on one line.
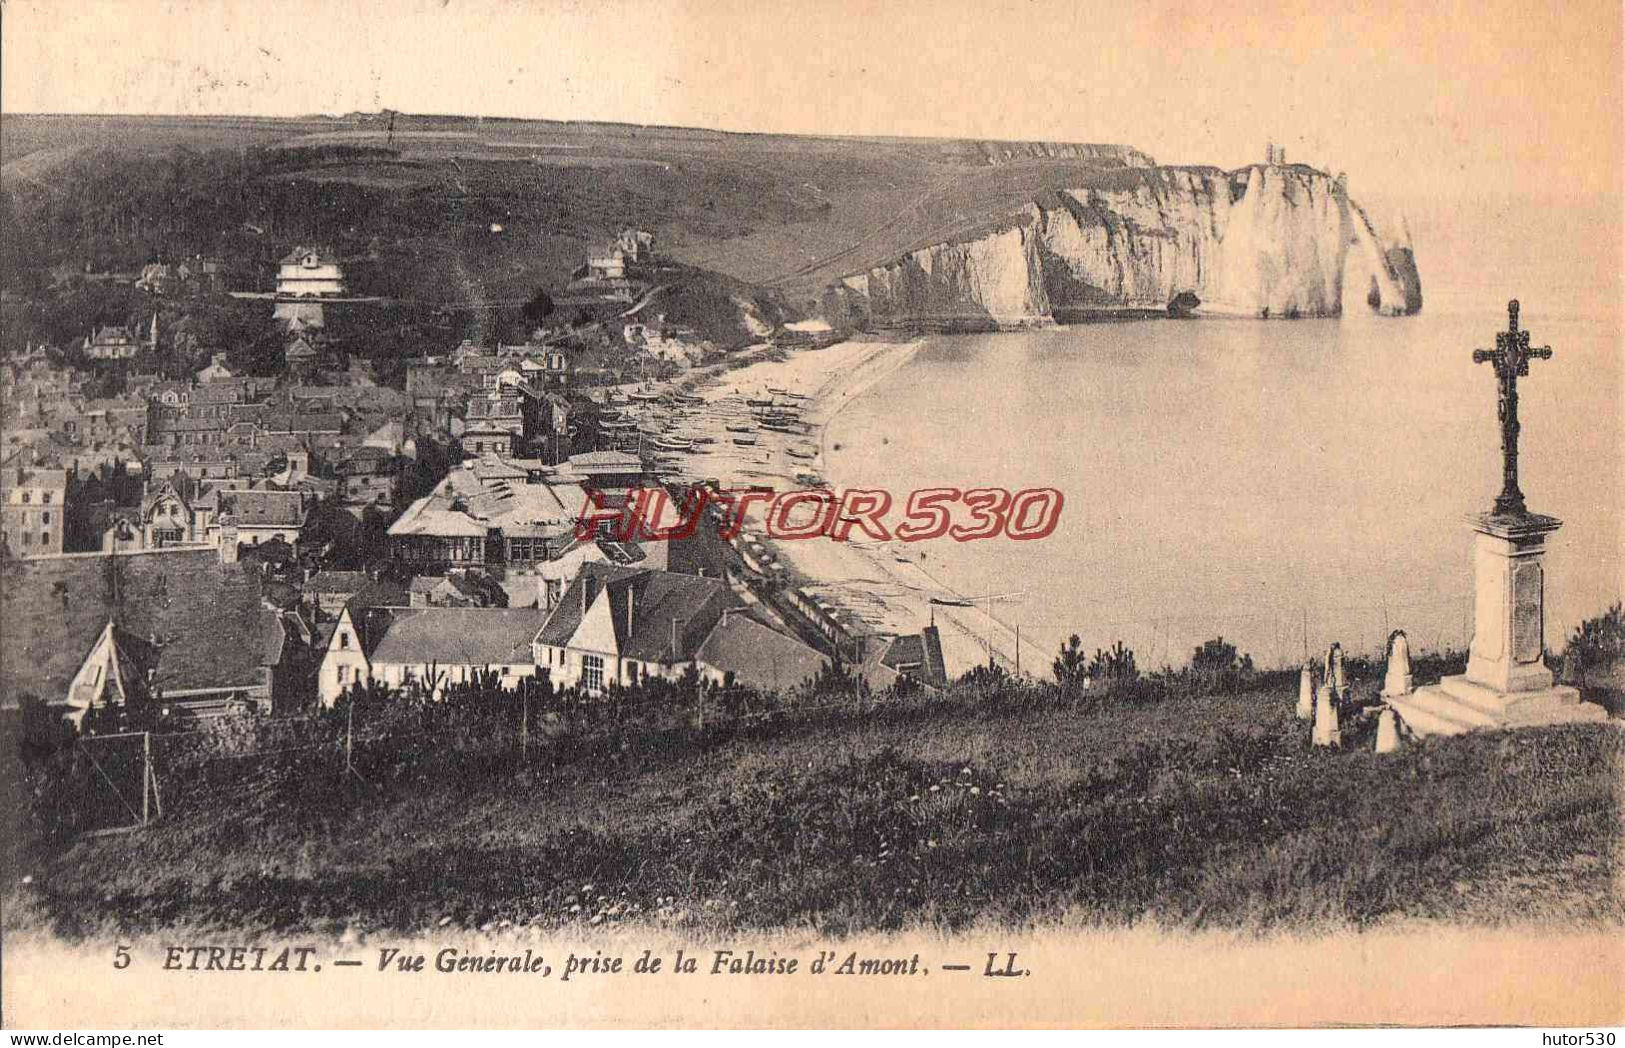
[[1278, 241]]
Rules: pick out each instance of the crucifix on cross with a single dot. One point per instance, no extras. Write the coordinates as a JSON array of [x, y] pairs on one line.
[[1511, 357]]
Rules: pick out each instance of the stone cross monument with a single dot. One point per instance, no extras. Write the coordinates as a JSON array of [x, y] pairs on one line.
[[1507, 683], [1511, 357]]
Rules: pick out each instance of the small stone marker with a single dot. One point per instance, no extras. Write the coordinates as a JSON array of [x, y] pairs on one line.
[[1326, 732], [1306, 693], [1387, 731], [1398, 679]]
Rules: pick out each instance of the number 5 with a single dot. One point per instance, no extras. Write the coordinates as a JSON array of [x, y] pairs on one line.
[[121, 956]]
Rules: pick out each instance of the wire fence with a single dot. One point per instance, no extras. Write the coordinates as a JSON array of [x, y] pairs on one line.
[[1275, 637], [373, 745], [126, 779]]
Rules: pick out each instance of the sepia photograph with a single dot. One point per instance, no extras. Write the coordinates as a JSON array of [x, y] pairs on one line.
[[533, 514]]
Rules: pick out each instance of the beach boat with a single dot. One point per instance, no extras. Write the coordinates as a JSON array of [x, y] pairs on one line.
[[702, 440], [673, 444], [802, 453], [776, 392], [741, 429], [617, 397], [798, 396], [646, 395], [780, 427], [744, 442]]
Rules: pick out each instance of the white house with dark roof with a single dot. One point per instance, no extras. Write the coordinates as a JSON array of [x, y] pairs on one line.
[[309, 272], [433, 646], [260, 516], [111, 343], [619, 625]]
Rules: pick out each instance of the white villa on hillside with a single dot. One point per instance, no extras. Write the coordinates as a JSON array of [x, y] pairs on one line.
[[309, 272]]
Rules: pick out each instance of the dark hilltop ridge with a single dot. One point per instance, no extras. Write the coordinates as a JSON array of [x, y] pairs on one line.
[[766, 227]]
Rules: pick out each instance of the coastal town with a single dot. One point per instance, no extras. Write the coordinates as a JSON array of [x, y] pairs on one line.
[[810, 516], [336, 532]]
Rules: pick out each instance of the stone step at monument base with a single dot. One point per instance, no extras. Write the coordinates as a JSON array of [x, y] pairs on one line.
[[1456, 705]]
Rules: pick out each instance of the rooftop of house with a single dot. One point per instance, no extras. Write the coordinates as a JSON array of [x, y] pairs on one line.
[[434, 381], [512, 503], [266, 509], [368, 458], [490, 468], [378, 593], [221, 392], [190, 424], [391, 435], [304, 422], [919, 655], [342, 582], [459, 583], [114, 405], [757, 655], [33, 477], [207, 616], [493, 407], [605, 462], [433, 515], [649, 610], [448, 636], [322, 256]]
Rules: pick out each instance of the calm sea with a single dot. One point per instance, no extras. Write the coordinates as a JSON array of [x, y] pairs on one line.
[[1282, 483]]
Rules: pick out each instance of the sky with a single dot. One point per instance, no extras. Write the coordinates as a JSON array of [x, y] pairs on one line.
[[1418, 98]]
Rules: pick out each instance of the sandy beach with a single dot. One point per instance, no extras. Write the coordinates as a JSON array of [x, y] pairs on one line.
[[880, 584]]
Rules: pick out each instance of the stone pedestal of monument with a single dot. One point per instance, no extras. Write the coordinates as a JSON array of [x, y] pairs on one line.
[[1507, 684]]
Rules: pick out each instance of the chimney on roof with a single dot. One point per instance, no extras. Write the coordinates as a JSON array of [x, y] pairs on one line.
[[631, 608]]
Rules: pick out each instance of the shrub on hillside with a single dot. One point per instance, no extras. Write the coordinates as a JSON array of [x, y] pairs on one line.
[[1217, 665], [1598, 642], [1115, 666]]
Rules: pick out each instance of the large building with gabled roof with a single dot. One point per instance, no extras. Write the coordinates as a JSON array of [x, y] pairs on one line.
[[174, 628], [433, 647], [621, 625]]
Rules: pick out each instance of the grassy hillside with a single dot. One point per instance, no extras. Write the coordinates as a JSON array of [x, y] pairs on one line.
[[781, 211], [1190, 811]]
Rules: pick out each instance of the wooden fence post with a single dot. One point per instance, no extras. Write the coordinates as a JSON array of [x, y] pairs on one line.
[[146, 777]]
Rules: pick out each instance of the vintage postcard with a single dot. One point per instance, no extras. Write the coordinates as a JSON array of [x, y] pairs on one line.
[[821, 514]]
